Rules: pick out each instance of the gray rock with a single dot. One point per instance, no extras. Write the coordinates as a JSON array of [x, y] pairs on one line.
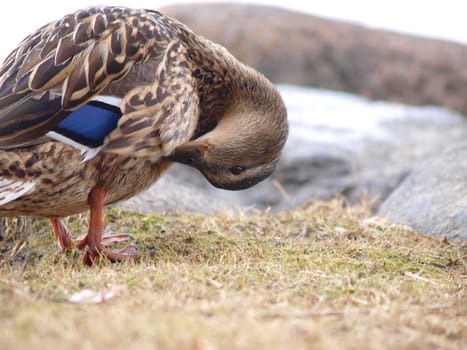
[[433, 199], [173, 194]]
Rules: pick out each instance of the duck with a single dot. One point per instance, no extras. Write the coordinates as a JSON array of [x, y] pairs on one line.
[[95, 106]]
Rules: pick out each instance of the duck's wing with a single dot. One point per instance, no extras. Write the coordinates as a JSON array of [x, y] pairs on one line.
[[159, 116], [64, 65]]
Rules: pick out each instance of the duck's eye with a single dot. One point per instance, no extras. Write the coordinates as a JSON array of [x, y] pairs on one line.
[[237, 170], [189, 160]]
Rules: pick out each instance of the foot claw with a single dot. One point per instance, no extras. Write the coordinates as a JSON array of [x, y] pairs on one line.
[[120, 237], [128, 250], [87, 259], [81, 242]]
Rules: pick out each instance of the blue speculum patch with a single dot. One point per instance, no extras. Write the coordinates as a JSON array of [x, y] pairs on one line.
[[90, 124]]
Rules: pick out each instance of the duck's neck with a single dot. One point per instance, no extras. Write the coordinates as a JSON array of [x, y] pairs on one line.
[[224, 83]]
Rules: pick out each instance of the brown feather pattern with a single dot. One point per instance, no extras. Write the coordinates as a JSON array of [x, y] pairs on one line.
[[77, 57]]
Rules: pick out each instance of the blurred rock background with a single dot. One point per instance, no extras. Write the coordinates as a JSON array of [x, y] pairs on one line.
[[294, 48], [340, 143]]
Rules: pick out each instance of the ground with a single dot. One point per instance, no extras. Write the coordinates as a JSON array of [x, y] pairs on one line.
[[322, 276]]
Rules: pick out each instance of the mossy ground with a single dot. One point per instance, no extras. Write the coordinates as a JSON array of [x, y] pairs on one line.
[[319, 276]]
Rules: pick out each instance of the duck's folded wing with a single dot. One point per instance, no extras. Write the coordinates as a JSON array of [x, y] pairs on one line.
[[63, 65], [158, 117]]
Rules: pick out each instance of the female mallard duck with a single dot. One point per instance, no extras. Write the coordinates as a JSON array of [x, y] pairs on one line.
[[95, 106]]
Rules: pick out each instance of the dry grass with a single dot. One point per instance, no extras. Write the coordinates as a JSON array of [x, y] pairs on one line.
[[317, 277]]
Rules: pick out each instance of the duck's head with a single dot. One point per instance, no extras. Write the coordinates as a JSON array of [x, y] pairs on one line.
[[245, 146]]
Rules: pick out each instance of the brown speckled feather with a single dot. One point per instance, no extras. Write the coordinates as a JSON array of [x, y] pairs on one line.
[[56, 182], [160, 116], [63, 65]]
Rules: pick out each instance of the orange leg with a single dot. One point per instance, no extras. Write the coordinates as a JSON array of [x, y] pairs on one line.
[[93, 242], [62, 235]]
